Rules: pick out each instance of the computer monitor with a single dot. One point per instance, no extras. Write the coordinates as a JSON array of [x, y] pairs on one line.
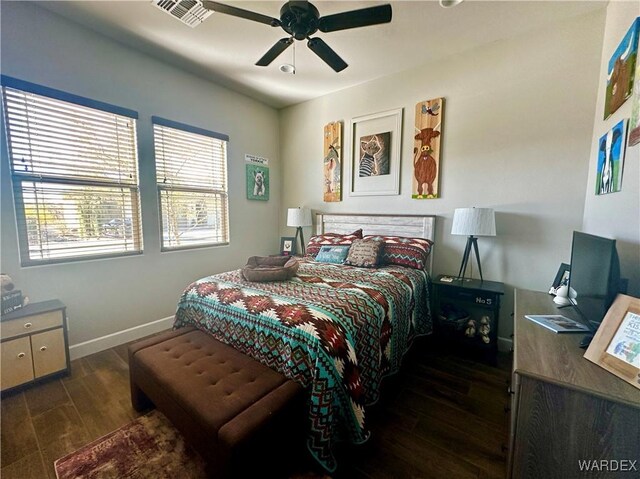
[[594, 280]]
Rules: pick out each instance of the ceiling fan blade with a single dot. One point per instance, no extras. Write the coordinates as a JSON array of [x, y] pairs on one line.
[[280, 46], [240, 12], [355, 18], [324, 51]]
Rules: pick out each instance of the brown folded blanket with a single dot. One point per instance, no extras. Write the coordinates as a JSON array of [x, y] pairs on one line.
[[270, 268]]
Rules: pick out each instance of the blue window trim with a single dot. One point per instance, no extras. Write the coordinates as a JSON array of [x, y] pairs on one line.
[[156, 120], [64, 96]]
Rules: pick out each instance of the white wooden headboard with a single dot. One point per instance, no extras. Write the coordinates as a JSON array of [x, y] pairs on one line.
[[415, 226]]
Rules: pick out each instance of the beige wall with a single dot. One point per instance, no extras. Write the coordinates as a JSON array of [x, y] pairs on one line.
[[107, 296], [519, 115], [616, 215]]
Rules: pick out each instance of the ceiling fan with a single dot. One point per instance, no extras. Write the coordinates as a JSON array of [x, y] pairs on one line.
[[300, 19]]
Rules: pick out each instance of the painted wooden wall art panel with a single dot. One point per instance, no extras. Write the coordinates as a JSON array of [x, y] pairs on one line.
[[621, 71], [611, 148], [426, 150], [634, 125], [332, 189]]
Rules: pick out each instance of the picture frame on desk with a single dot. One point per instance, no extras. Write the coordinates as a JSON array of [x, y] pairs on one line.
[[287, 246], [616, 345], [561, 279]]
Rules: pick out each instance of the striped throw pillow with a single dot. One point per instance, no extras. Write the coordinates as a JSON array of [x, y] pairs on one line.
[[409, 252]]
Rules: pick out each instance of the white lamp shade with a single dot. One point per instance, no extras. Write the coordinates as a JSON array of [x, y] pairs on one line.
[[299, 217], [474, 222]]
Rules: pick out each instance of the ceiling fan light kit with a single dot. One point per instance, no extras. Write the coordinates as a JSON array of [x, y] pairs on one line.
[[450, 3], [301, 19]]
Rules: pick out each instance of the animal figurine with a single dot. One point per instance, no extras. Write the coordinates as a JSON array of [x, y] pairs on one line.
[[485, 329], [258, 183], [470, 332], [424, 165], [368, 163]]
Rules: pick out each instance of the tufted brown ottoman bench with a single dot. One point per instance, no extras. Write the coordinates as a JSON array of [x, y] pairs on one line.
[[227, 405]]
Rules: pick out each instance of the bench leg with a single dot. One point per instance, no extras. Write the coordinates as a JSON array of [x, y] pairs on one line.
[[139, 399]]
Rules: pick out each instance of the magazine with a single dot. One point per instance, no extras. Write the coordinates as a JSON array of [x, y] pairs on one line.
[[558, 323]]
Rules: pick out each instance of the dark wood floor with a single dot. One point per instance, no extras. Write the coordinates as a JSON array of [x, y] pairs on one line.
[[441, 417]]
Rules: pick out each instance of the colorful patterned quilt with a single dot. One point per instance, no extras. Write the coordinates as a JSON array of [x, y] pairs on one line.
[[335, 329]]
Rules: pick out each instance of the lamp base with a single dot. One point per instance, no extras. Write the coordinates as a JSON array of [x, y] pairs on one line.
[[472, 241], [299, 232]]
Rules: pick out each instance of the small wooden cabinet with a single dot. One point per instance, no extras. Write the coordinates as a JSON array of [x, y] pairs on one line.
[[467, 313], [34, 344], [565, 410]]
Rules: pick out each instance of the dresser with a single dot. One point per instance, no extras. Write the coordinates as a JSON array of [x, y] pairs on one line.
[[565, 409], [34, 344]]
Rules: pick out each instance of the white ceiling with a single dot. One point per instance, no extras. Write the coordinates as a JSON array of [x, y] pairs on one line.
[[224, 48]]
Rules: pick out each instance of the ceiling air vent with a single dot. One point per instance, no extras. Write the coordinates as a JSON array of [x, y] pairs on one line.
[[190, 12]]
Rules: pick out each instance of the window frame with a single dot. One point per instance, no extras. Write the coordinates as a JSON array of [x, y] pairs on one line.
[[17, 179], [183, 127]]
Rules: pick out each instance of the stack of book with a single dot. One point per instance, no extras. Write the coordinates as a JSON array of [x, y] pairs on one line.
[[11, 301]]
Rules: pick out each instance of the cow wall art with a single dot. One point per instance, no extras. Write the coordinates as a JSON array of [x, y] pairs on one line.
[[611, 149], [426, 149], [621, 71]]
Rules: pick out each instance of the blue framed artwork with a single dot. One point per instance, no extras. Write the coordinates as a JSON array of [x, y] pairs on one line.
[[611, 148], [621, 70]]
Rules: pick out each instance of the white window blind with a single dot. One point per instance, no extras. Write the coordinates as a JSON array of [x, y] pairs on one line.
[[191, 170], [75, 178]]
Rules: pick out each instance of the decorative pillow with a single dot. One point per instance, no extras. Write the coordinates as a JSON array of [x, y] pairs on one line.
[[364, 253], [410, 252], [331, 239], [333, 254]]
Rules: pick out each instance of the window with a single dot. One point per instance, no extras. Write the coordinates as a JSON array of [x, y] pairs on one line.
[[191, 171], [74, 171]]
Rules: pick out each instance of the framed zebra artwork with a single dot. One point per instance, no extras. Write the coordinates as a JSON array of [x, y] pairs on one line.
[[375, 154]]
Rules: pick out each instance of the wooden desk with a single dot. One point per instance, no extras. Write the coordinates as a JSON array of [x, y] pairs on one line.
[[564, 408]]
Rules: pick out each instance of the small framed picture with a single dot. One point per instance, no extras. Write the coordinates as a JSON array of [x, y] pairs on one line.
[[287, 246], [562, 278], [616, 345]]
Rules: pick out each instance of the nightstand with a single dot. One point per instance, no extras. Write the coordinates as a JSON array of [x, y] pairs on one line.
[[34, 344], [466, 314]]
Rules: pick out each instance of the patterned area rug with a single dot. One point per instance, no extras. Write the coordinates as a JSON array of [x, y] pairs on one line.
[[149, 447]]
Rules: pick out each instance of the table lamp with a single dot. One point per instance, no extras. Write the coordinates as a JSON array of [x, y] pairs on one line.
[[473, 222], [299, 217]]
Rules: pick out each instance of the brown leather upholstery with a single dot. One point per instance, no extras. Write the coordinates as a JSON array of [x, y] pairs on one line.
[[218, 398]]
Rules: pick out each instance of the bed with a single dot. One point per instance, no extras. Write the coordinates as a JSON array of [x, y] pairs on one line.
[[337, 330]]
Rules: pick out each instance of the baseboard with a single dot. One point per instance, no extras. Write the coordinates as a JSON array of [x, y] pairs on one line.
[[116, 339], [505, 344]]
